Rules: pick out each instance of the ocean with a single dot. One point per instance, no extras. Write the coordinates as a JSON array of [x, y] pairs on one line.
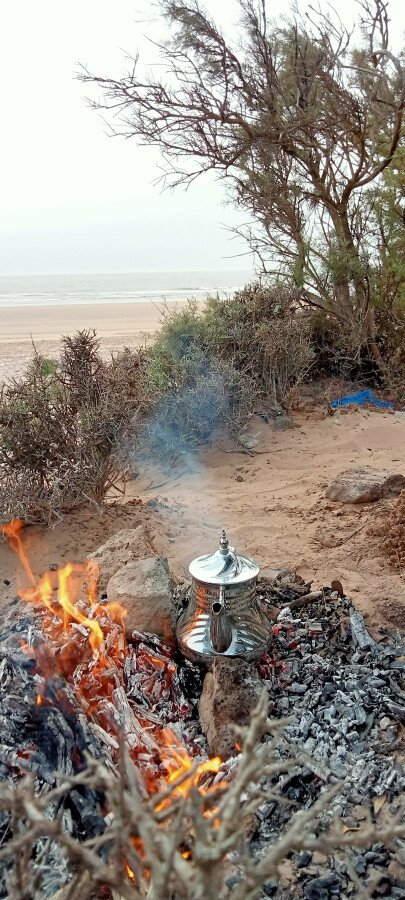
[[53, 290]]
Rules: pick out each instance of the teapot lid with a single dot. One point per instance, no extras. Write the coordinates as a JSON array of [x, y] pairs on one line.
[[224, 566]]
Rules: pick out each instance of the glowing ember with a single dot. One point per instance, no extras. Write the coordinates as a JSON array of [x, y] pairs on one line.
[[130, 873]]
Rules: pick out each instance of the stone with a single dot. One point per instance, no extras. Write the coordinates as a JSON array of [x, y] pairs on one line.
[[144, 589], [230, 692], [121, 548], [365, 485]]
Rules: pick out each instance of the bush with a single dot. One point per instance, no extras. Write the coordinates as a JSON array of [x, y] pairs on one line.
[[212, 395], [265, 335], [179, 351], [59, 427], [260, 333]]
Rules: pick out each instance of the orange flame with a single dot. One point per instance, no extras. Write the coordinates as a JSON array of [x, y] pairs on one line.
[[130, 873], [57, 592], [72, 614], [43, 590], [12, 531], [178, 763]]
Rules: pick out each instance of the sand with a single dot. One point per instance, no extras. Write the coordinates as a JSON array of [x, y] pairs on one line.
[[117, 324], [272, 504]]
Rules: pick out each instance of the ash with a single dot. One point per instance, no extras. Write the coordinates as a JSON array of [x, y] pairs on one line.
[[342, 694]]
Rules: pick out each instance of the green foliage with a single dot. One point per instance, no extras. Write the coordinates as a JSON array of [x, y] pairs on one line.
[[214, 397], [259, 332], [48, 366], [263, 332], [176, 349]]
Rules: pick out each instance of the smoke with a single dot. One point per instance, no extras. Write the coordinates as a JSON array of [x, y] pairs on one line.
[[211, 399]]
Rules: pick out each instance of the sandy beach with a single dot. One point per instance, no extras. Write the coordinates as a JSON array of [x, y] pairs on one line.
[[117, 324], [272, 504]]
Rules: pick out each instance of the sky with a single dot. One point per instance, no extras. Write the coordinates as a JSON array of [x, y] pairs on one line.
[[72, 198]]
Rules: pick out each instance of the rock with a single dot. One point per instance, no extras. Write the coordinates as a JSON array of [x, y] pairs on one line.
[[249, 441], [230, 692], [337, 586], [365, 485], [121, 548], [144, 588]]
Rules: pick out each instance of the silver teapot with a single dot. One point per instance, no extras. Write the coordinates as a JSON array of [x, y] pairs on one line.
[[222, 616]]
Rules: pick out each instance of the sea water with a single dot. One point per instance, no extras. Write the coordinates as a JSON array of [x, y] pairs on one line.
[[51, 290]]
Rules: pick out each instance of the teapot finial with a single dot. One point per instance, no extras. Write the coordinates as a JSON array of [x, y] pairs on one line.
[[224, 543]]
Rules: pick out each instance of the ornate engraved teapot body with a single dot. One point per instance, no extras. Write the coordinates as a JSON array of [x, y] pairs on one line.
[[223, 617]]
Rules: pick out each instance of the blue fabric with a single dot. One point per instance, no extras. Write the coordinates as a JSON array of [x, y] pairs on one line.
[[360, 399]]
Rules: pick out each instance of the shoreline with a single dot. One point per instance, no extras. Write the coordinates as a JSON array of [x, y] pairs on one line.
[[117, 325]]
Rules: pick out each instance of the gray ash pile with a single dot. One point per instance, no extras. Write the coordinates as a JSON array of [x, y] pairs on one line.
[[343, 694]]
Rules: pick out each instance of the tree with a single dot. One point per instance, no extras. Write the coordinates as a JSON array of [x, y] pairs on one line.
[[301, 119]]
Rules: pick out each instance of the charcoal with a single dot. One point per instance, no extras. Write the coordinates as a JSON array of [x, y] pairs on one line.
[[269, 888], [360, 635], [303, 859], [336, 685], [320, 888], [85, 805], [359, 864]]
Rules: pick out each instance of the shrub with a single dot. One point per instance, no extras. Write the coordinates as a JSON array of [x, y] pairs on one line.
[[259, 332], [59, 427], [213, 395], [179, 349], [263, 332]]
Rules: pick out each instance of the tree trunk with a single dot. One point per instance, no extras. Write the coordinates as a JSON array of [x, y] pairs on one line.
[[370, 335]]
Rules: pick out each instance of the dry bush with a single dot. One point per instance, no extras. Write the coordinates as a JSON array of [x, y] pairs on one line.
[[59, 427], [181, 846], [265, 334], [392, 532], [212, 396], [259, 334]]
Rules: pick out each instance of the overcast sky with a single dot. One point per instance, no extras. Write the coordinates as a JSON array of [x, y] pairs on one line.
[[74, 200]]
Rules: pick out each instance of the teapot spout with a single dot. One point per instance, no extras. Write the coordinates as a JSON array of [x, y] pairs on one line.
[[220, 628]]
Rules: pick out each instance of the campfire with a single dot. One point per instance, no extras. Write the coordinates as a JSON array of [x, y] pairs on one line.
[[83, 640], [109, 734]]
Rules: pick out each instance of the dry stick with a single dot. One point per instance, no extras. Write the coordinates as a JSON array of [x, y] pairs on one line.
[[305, 599]]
